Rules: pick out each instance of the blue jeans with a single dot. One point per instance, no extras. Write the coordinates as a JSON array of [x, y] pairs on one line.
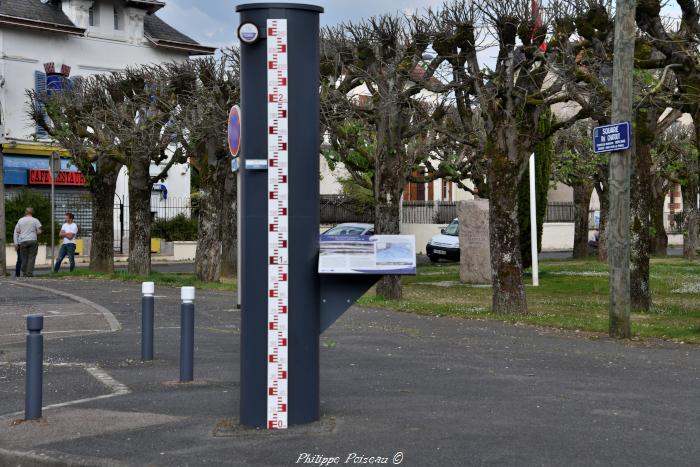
[[66, 249], [18, 264]]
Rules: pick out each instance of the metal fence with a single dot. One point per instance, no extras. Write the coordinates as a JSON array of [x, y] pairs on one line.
[[161, 208], [428, 212], [336, 209], [560, 212], [79, 204]]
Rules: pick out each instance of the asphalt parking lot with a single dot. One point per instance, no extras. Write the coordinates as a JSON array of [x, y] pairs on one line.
[[440, 391]]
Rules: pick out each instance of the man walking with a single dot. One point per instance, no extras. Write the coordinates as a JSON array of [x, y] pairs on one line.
[[69, 230], [27, 233]]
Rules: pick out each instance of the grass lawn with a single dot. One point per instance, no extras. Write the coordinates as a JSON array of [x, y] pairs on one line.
[[171, 279], [572, 295]]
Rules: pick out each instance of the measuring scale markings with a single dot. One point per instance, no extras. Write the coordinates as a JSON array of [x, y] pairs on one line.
[[278, 224]]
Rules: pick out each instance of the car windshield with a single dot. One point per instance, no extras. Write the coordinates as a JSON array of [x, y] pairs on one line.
[[452, 229], [346, 230]]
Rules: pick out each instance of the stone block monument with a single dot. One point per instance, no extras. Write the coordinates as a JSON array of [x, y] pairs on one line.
[[475, 251]]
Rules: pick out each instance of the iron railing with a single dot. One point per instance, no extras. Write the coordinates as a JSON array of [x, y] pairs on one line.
[[428, 212]]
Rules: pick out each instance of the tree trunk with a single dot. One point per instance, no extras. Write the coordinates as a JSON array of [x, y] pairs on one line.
[[602, 192], [689, 190], [390, 177], [582, 201], [506, 263], [229, 229], [140, 218], [544, 153], [102, 242], [207, 264], [387, 221], [691, 241], [102, 187], [659, 238], [640, 200]]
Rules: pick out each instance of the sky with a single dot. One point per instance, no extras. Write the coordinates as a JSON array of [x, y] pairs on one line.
[[214, 22]]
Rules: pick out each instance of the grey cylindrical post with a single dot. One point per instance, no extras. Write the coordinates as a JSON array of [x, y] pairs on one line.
[[187, 335], [297, 382], [147, 312], [35, 367]]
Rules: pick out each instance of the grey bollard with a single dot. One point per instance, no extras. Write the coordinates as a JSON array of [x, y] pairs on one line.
[[147, 318], [187, 335], [35, 368]]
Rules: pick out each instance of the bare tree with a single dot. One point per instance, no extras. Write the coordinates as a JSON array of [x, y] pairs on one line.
[[138, 118], [69, 117], [678, 157], [375, 72], [676, 41], [207, 89], [510, 97], [589, 60], [577, 166]]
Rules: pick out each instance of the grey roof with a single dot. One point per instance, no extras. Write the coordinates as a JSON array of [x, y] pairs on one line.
[[35, 11], [150, 5], [161, 33]]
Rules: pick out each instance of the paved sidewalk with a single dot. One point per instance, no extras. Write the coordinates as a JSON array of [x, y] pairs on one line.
[[441, 391]]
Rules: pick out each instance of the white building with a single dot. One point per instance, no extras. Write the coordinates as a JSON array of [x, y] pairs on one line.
[[79, 37]]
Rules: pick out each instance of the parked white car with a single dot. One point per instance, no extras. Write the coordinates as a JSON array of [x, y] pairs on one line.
[[446, 244], [351, 228]]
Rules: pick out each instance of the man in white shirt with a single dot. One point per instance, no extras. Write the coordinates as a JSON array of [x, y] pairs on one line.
[[69, 230], [26, 240]]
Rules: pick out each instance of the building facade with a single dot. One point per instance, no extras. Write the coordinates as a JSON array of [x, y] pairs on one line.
[[74, 38]]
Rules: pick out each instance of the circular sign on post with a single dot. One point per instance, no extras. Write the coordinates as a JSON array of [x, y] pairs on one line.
[[234, 130], [248, 33]]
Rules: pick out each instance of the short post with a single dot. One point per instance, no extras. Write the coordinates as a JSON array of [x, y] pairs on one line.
[[147, 312], [35, 368], [187, 335]]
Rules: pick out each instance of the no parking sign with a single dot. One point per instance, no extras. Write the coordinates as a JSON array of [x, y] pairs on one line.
[[234, 130]]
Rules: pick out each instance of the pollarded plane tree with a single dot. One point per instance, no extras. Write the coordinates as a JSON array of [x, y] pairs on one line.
[[676, 159], [585, 38], [510, 95], [676, 41], [206, 89], [69, 118], [138, 116], [577, 166], [379, 96]]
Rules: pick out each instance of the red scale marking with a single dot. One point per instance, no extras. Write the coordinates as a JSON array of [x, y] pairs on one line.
[[278, 242]]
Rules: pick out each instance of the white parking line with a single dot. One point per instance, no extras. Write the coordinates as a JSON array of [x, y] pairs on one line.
[[116, 388], [111, 320]]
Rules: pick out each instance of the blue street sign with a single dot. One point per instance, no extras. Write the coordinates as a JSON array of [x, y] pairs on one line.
[[609, 138]]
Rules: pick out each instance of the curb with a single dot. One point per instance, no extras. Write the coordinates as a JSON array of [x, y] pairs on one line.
[[50, 459], [111, 320]]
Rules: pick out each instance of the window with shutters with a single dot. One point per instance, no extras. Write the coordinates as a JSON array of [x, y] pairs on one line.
[[40, 88]]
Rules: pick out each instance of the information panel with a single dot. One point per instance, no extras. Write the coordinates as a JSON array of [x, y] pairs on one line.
[[362, 254]]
